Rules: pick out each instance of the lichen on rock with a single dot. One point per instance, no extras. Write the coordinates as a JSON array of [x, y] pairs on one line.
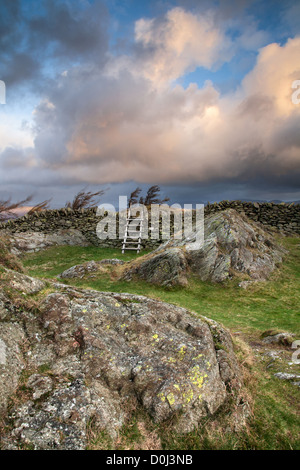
[[91, 354]]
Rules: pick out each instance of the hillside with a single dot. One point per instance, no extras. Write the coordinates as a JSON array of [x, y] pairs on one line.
[[231, 341]]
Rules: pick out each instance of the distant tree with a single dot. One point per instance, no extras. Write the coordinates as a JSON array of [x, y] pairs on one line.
[[152, 196], [7, 207], [42, 206], [133, 199], [84, 199]]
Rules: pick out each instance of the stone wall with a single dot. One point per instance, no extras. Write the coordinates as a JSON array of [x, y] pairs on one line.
[[284, 217]]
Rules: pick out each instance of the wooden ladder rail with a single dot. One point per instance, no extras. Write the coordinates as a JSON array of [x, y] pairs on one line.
[[137, 240]]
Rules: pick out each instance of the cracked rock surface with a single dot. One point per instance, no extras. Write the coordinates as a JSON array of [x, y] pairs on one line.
[[233, 245], [89, 356]]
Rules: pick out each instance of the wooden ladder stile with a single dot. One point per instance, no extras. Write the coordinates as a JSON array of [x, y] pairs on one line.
[[128, 239]]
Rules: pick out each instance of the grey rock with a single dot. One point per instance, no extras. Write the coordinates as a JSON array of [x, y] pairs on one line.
[[233, 246], [60, 422], [113, 261], [166, 268], [286, 376], [30, 241], [284, 339], [21, 282], [40, 385], [12, 336], [107, 350], [80, 270]]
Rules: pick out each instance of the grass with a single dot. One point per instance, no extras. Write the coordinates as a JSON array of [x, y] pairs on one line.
[[274, 423], [52, 261], [266, 305]]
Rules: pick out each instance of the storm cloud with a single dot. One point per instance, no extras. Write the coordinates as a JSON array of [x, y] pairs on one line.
[[113, 118], [127, 126], [37, 34]]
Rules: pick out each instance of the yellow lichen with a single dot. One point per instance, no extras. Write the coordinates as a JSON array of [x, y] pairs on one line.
[[171, 398], [196, 378], [182, 352], [197, 357], [171, 360], [188, 396], [155, 337]]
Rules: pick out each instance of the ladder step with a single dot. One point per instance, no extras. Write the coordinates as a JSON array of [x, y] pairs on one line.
[[133, 236], [125, 248]]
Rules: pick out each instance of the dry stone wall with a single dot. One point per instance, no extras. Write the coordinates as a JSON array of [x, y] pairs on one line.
[[284, 217]]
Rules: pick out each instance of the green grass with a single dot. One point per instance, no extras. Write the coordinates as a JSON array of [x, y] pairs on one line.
[[52, 261], [267, 305]]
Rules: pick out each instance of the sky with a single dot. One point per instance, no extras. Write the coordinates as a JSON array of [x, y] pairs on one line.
[[195, 96]]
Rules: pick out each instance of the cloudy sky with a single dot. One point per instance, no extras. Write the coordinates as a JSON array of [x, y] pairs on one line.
[[195, 96]]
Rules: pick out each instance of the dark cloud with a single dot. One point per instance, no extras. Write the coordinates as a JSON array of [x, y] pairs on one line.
[[117, 120], [38, 38], [71, 32], [19, 68]]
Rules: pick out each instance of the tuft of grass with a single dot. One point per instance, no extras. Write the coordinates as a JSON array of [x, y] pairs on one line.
[[7, 259]]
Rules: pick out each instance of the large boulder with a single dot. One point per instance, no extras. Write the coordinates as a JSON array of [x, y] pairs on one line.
[[21, 283], [166, 268], [233, 246], [95, 357]]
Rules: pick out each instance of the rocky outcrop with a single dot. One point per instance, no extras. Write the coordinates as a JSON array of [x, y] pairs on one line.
[[233, 245], [96, 357], [21, 282], [80, 270], [30, 241], [166, 268], [283, 338]]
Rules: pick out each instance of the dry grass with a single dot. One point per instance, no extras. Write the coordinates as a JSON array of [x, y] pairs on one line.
[[7, 259]]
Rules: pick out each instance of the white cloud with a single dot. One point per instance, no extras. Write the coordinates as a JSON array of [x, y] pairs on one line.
[[170, 46], [121, 124]]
